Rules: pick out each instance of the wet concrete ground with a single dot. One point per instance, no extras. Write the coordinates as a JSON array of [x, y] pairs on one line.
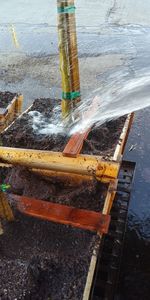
[[135, 269], [113, 35], [91, 13]]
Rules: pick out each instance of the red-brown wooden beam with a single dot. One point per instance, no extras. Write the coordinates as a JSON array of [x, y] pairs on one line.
[[63, 214], [75, 144]]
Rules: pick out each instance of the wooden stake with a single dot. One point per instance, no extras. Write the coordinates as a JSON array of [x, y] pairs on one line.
[[5, 209], [73, 52], [1, 229], [63, 56], [68, 53]]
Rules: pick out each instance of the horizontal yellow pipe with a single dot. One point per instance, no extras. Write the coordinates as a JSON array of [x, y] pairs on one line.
[[55, 161]]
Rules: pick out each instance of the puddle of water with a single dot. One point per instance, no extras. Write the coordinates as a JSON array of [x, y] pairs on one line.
[[135, 268]]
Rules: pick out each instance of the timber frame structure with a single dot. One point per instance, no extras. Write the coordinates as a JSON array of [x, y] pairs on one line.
[[78, 169], [11, 112]]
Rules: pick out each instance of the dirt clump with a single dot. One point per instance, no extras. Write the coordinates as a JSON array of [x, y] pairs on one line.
[[6, 98]]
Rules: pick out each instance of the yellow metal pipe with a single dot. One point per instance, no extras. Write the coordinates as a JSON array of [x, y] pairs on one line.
[[55, 161]]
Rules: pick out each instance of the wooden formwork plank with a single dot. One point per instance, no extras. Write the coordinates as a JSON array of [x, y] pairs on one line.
[[9, 114], [75, 144], [123, 138], [63, 214], [112, 189], [5, 210]]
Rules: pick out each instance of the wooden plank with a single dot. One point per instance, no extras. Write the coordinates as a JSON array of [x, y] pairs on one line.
[[5, 209], [75, 144], [112, 189], [63, 214], [123, 138]]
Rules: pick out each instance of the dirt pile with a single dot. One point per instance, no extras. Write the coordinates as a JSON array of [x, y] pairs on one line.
[[101, 140], [5, 98]]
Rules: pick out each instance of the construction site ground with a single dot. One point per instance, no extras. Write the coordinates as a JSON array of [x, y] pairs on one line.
[[113, 42]]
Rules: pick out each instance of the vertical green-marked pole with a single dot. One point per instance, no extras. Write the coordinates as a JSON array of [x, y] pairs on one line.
[[73, 54], [68, 53]]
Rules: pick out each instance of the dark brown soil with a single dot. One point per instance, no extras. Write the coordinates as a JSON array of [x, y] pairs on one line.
[[88, 195], [101, 140], [5, 98], [44, 261], [25, 137]]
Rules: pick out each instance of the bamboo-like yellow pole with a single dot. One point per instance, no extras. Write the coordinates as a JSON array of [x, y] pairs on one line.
[[73, 54], [55, 161], [63, 56], [69, 66]]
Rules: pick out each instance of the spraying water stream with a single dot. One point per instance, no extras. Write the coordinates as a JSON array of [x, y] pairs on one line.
[[118, 97]]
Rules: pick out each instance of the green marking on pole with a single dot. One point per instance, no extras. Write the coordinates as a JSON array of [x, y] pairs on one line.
[[70, 95], [66, 10]]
